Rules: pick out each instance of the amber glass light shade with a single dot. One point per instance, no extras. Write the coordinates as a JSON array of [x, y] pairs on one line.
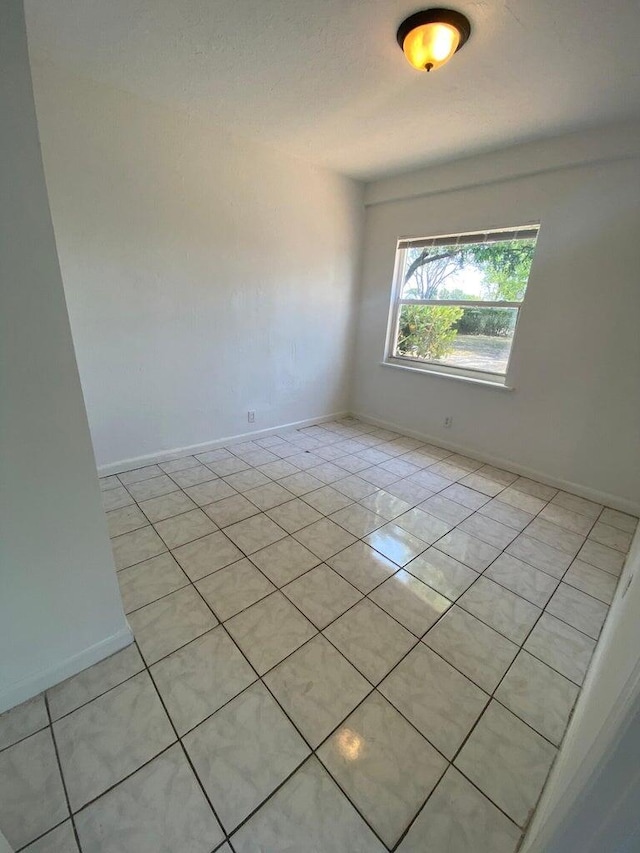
[[428, 47], [430, 38]]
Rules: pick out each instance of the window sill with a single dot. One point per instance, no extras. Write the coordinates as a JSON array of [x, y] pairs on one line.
[[433, 371]]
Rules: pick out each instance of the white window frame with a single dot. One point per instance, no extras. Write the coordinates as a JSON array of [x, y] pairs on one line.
[[437, 367]]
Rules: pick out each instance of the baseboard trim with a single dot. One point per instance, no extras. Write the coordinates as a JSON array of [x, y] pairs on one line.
[[30, 686], [177, 452], [613, 501]]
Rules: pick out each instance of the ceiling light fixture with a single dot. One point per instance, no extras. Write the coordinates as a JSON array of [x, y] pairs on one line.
[[430, 38]]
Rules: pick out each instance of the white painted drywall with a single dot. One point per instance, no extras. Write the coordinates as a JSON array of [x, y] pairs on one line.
[[590, 802], [205, 276], [60, 608], [575, 414]]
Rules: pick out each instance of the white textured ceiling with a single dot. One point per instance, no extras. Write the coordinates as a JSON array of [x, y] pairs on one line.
[[325, 79]]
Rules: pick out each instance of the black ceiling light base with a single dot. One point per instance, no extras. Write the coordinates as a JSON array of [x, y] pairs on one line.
[[435, 16]]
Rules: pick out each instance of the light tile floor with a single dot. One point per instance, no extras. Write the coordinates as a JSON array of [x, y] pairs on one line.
[[346, 640]]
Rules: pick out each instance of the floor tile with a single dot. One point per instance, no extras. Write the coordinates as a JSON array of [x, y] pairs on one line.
[[243, 481], [230, 510], [602, 557], [383, 765], [578, 609], [214, 455], [525, 580], [267, 496], [557, 537], [439, 701], [284, 560], [326, 500], [106, 740], [254, 533], [233, 588], [317, 687], [145, 582], [445, 509], [488, 530], [500, 608], [193, 476], [414, 604], [170, 622], [206, 493], [370, 639], [594, 582], [610, 536], [125, 519], [62, 839], [505, 514], [230, 465], [327, 472], [355, 487], [577, 504], [410, 491], [476, 650], [166, 506], [508, 761], [521, 500], [244, 752], [138, 475], [180, 464], [134, 547], [300, 484], [620, 520], [152, 488], [465, 496], [467, 549], [160, 807], [358, 520], [540, 556], [207, 554], [385, 504], [459, 819], [362, 566], [109, 482], [278, 469], [269, 631], [23, 720], [377, 476], [184, 528], [201, 677], [294, 515], [531, 487], [350, 463], [308, 813], [429, 480], [426, 527], [564, 648], [397, 544], [116, 498], [497, 474], [93, 681], [324, 538], [32, 798], [442, 573], [538, 695], [481, 484], [322, 595], [566, 518]]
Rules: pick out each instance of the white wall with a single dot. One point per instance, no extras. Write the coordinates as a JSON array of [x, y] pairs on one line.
[[60, 607], [590, 802], [574, 417], [205, 275]]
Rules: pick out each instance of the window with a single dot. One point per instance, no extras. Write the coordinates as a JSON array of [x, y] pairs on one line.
[[456, 301]]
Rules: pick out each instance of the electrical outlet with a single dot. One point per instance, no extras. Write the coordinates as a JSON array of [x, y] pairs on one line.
[[448, 421], [251, 417]]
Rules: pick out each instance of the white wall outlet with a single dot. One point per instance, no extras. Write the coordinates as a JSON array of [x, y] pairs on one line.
[[448, 421], [251, 417]]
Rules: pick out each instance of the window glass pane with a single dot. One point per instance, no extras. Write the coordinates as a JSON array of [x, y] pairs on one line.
[[473, 338], [495, 270]]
